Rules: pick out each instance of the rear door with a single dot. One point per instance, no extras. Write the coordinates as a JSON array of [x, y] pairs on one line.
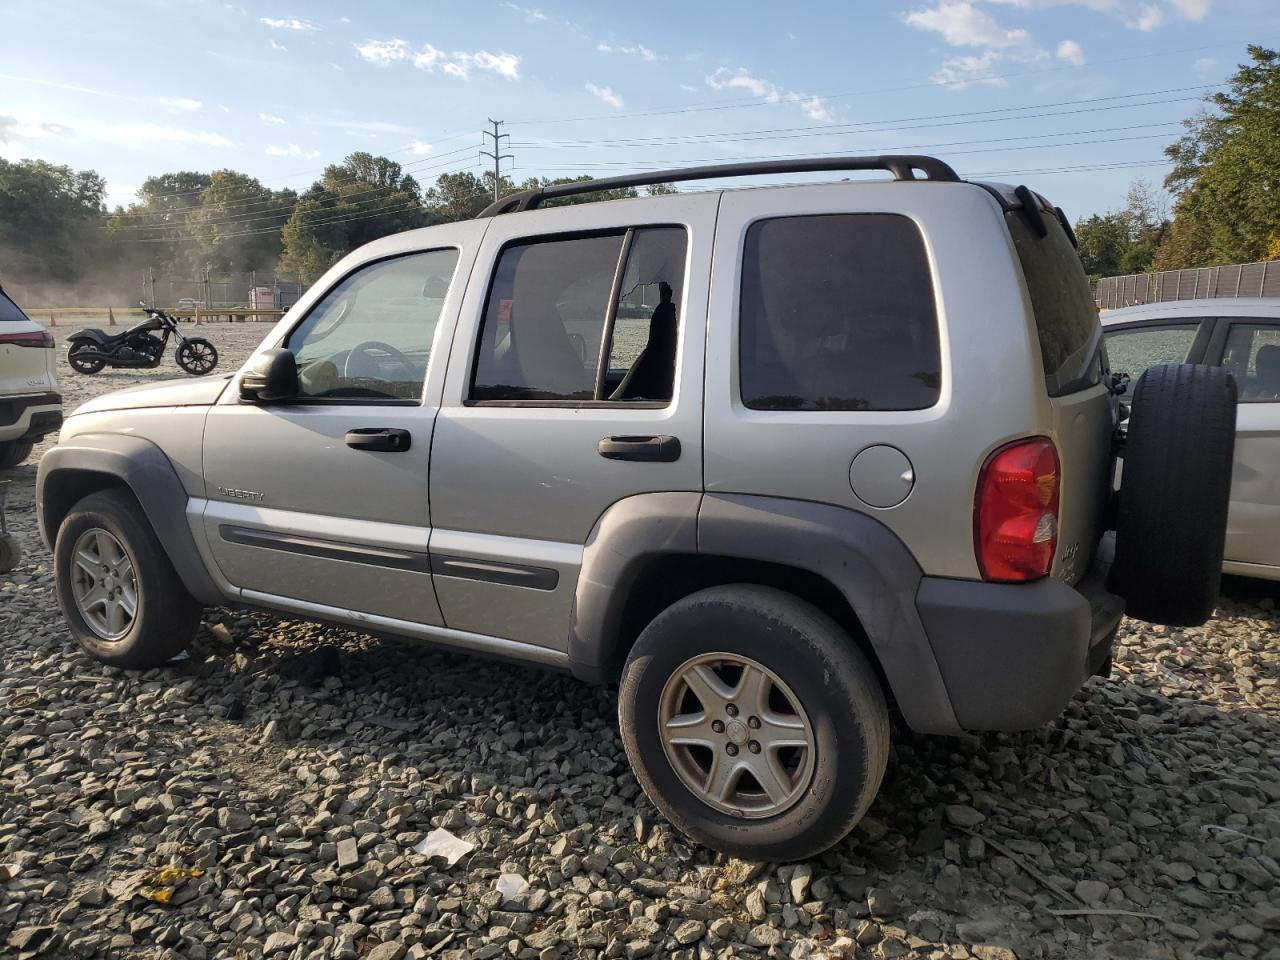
[[575, 381], [1250, 349], [26, 355]]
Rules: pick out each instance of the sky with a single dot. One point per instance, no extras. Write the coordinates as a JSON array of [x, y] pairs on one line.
[[1075, 98]]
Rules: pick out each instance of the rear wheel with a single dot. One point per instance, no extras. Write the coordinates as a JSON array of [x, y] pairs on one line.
[[118, 591], [1175, 487], [81, 363], [13, 452], [754, 723], [197, 356]]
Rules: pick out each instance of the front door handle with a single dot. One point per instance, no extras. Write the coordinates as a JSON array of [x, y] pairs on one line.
[[379, 439], [646, 449]]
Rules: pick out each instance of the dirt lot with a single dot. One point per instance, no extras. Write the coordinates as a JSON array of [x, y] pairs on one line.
[[288, 771]]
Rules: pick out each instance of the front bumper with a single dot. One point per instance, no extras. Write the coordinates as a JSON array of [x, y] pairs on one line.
[[1012, 655], [30, 417]]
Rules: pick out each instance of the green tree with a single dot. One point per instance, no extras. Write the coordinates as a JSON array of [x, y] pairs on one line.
[[236, 225], [1102, 241], [1227, 172], [50, 222]]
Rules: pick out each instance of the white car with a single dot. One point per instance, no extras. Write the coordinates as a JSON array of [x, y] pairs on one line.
[[1242, 335], [30, 406]]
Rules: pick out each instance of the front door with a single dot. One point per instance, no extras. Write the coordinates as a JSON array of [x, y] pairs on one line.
[[320, 503], [575, 381]]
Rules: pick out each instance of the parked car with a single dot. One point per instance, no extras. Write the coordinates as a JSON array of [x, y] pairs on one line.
[[30, 406], [189, 303], [1242, 336], [769, 458]]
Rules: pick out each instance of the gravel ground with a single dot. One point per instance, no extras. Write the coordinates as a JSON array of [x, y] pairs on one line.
[[286, 771]]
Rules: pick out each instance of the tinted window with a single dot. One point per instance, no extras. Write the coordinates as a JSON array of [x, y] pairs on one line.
[[1066, 316], [837, 313], [9, 310], [548, 309], [1253, 357], [1133, 351], [370, 336]]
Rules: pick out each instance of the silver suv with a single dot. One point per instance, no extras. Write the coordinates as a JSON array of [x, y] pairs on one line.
[[772, 459]]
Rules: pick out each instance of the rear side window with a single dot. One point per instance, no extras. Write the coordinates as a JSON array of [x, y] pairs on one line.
[[1066, 316], [9, 310], [837, 313], [1133, 351]]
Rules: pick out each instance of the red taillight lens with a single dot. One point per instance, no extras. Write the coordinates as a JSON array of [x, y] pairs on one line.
[[33, 338], [1015, 521]]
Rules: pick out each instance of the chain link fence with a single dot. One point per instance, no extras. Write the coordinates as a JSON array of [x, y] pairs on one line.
[[1229, 280]]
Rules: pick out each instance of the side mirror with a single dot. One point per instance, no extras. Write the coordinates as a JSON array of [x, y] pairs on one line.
[[272, 375]]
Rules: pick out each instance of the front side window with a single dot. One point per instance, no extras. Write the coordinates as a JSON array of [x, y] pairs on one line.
[[837, 313], [554, 302], [1133, 351], [1252, 356], [369, 338]]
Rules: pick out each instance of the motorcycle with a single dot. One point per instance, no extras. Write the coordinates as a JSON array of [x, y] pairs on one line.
[[88, 351]]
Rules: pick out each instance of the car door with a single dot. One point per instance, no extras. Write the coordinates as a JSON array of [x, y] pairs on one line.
[[320, 502], [1133, 347], [550, 415], [1250, 349]]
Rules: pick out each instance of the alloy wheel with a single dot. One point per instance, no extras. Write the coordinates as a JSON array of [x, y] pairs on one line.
[[104, 583]]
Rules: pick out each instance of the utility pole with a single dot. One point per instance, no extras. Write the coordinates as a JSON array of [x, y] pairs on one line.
[[497, 156]]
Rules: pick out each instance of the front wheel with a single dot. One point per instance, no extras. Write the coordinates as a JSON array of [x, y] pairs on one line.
[[79, 362], [197, 356], [754, 723]]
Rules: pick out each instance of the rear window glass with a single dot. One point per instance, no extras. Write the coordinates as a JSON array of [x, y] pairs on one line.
[[837, 313], [1066, 316], [9, 310]]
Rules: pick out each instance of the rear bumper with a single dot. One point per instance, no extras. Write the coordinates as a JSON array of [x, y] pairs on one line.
[[1012, 655], [30, 417]]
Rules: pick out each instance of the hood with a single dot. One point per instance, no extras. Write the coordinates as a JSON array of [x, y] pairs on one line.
[[187, 392]]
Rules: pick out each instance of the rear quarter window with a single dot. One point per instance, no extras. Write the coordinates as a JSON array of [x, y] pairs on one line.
[[837, 313], [1066, 316], [9, 310]]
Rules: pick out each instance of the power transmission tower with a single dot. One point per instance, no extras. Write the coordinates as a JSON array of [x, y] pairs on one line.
[[496, 155]]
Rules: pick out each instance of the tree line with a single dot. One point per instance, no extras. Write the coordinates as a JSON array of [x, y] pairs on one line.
[[60, 243]]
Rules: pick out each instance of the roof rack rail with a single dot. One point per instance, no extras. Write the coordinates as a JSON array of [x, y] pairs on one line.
[[902, 166]]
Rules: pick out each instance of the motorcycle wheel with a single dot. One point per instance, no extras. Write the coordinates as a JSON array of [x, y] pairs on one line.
[[197, 356], [83, 364]]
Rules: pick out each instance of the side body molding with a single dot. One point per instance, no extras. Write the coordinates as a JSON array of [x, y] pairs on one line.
[[856, 553], [141, 466]]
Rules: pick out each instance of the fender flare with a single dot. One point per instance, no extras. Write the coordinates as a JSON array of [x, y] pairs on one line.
[[88, 336], [142, 467], [854, 551]]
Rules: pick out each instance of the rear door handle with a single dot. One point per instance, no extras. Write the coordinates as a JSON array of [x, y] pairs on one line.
[[646, 449], [379, 439]]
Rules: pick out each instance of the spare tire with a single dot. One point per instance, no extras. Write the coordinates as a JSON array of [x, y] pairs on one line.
[[1171, 519]]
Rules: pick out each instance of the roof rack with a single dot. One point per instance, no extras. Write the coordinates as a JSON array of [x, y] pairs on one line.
[[902, 166]]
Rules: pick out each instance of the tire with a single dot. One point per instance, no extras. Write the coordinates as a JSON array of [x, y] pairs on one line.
[[197, 356], [1175, 486], [13, 452], [10, 552], [83, 364], [818, 665], [166, 616]]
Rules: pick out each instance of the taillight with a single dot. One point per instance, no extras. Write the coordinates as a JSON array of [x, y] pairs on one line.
[[25, 338], [1015, 520]]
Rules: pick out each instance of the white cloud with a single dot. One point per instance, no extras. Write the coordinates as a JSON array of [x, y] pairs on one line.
[[290, 23], [531, 14], [420, 148], [144, 136], [961, 24], [292, 150], [29, 126], [460, 63], [959, 73], [639, 50], [277, 45], [175, 104], [815, 108], [271, 120], [383, 52], [1149, 17], [605, 95], [1071, 52], [1192, 9]]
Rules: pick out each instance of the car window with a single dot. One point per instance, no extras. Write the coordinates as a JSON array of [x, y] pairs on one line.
[[1252, 355], [1065, 314], [1133, 351], [369, 338], [551, 305], [837, 312], [9, 310]]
